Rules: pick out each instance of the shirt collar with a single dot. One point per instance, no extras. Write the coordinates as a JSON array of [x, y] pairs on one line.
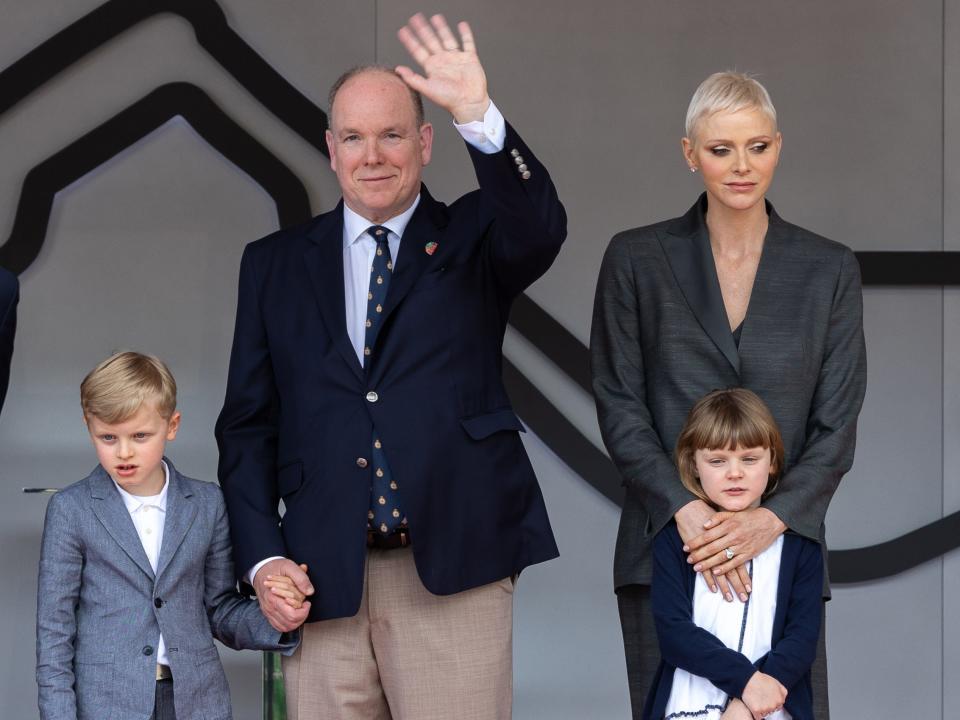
[[135, 502], [355, 225]]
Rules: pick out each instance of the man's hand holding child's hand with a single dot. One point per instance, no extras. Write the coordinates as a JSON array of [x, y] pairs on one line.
[[284, 587]]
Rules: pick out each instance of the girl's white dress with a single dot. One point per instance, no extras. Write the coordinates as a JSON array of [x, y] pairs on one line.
[[744, 627]]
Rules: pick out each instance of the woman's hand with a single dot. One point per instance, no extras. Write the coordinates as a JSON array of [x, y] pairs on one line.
[[746, 533], [691, 519]]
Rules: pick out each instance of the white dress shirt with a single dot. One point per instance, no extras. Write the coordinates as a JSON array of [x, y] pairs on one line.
[[148, 513], [488, 136]]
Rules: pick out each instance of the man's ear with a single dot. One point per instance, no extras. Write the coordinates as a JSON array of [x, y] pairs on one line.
[[332, 149], [426, 143]]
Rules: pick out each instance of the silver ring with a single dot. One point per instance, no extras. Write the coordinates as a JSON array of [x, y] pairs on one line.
[[729, 553]]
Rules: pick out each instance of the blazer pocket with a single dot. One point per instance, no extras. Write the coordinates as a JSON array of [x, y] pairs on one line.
[[208, 654], [214, 701], [94, 686], [289, 478], [483, 426]]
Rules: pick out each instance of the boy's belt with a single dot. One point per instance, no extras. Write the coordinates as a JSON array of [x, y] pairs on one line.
[[163, 672]]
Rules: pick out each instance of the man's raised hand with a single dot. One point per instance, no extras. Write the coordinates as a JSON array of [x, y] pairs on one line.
[[453, 76]]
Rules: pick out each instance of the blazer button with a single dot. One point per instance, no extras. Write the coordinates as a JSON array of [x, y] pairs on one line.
[[361, 462], [372, 396], [158, 603], [147, 650]]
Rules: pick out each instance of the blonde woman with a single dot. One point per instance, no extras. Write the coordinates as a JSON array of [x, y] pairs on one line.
[[729, 294]]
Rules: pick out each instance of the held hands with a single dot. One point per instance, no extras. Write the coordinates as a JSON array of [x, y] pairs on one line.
[[282, 586], [274, 605], [454, 76], [763, 695]]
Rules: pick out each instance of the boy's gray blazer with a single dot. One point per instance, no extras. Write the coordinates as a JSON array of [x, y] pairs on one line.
[[661, 340], [101, 608]]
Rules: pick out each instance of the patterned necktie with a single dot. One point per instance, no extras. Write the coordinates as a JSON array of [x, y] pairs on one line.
[[384, 513]]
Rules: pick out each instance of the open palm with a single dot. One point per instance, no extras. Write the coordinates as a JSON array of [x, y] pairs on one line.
[[453, 76]]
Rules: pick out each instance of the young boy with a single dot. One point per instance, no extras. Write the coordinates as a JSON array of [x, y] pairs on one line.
[[136, 570]]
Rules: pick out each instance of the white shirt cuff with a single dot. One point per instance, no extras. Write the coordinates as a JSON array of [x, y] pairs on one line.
[[488, 135], [252, 573]]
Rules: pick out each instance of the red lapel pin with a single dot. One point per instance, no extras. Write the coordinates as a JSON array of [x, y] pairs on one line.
[[430, 248]]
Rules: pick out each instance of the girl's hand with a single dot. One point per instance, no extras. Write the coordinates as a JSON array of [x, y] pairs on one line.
[[763, 695], [736, 710]]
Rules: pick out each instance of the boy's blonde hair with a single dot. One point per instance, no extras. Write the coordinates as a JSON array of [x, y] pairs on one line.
[[727, 419], [116, 388]]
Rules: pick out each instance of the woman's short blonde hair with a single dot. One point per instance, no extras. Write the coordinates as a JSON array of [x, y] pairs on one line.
[[728, 92], [727, 419], [116, 388]]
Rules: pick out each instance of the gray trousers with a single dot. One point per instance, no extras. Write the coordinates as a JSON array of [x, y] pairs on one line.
[[163, 702], [643, 652]]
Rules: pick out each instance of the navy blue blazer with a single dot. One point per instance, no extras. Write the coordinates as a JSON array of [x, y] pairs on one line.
[[796, 627], [300, 409], [9, 296]]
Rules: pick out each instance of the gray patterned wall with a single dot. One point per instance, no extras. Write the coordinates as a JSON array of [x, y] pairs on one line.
[[143, 253]]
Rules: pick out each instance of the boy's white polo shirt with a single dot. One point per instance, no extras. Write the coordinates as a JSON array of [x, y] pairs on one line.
[[148, 513]]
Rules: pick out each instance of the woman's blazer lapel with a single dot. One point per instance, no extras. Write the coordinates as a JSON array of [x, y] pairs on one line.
[[686, 244], [766, 315]]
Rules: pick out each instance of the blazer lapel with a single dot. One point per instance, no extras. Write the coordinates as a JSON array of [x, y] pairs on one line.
[[181, 512], [324, 263], [686, 244], [114, 516], [425, 227], [766, 295]]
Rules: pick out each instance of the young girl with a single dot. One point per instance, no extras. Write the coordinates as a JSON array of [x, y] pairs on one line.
[[734, 661]]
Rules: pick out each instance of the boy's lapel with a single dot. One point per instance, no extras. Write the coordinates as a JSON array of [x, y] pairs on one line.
[[181, 512], [115, 517]]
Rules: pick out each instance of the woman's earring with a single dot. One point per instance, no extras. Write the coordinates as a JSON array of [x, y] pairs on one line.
[[693, 169]]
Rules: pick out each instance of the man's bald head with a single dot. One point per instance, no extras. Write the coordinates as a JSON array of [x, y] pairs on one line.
[[382, 69]]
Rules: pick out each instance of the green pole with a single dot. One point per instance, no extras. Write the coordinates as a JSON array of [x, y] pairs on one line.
[[274, 702]]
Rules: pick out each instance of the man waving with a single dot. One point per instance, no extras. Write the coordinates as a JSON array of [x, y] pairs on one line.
[[365, 391]]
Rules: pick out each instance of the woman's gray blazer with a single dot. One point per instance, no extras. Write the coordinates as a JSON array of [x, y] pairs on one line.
[[660, 341]]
